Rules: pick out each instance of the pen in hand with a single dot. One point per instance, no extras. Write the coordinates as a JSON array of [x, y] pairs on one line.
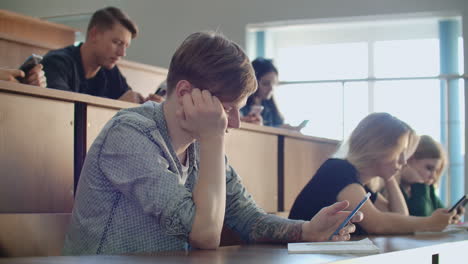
[[350, 216]]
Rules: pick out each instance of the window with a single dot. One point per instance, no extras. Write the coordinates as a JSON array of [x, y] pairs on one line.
[[406, 58], [335, 74], [318, 98], [323, 62], [417, 102]]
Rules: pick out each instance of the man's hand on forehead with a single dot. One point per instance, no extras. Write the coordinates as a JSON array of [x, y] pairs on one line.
[[202, 115]]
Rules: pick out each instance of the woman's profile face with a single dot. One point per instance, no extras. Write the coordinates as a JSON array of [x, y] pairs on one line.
[[394, 162], [266, 85], [427, 169]]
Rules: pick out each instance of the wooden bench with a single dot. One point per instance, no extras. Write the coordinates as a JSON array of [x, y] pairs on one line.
[[24, 235]]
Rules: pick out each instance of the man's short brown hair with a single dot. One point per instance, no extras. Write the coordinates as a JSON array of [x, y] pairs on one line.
[[210, 61], [107, 17]]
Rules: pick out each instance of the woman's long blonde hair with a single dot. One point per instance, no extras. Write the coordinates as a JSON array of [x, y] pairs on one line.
[[376, 137]]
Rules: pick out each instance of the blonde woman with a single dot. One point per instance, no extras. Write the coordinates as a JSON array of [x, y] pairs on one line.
[[420, 178], [377, 147]]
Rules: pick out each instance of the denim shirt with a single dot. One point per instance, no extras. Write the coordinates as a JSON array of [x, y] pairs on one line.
[[131, 196]]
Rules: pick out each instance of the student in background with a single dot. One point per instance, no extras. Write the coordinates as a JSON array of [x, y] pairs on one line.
[[377, 147], [90, 68], [156, 178], [267, 78], [418, 180], [34, 77]]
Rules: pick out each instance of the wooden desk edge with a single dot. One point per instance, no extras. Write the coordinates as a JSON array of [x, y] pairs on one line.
[[17, 88], [287, 133]]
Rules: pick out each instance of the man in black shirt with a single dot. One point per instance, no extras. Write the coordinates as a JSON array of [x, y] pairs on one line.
[[90, 68]]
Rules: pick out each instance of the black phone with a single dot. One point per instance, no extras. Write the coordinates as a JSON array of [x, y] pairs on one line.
[[461, 202], [162, 89], [28, 64]]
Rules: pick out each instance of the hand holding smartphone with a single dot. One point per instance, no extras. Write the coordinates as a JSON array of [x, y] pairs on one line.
[[350, 216], [28, 64], [461, 202], [256, 109], [162, 89]]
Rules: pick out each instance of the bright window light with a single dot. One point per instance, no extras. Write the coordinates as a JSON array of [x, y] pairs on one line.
[[406, 58], [323, 62], [417, 102], [461, 65], [321, 104], [356, 105]]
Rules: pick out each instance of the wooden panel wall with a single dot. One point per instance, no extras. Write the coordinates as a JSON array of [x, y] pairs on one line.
[[24, 235], [36, 158], [14, 53], [141, 77], [254, 156], [301, 160], [97, 118], [37, 151], [38, 31]]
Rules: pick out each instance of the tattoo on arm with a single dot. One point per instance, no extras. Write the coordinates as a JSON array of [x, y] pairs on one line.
[[271, 228]]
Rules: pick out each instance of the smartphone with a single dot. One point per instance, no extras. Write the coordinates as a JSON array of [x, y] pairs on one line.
[[256, 109], [28, 64], [460, 202], [162, 89], [350, 216], [303, 123]]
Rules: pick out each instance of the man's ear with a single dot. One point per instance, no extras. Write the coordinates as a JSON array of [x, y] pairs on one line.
[[182, 87], [92, 34]]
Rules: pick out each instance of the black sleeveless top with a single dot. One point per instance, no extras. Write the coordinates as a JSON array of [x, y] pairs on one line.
[[322, 190]]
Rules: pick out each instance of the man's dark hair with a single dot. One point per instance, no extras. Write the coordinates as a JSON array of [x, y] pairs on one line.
[[210, 61], [106, 18]]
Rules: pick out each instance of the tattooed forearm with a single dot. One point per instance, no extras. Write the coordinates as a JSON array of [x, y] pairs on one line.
[[272, 228]]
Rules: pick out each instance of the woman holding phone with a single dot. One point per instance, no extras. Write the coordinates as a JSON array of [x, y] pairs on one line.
[[377, 147], [261, 107], [419, 180]]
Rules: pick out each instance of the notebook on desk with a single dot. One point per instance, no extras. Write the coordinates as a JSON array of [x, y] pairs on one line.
[[364, 246]]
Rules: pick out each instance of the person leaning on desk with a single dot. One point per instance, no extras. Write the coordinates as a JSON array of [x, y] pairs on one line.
[[377, 147], [156, 177], [267, 79], [90, 68], [419, 179]]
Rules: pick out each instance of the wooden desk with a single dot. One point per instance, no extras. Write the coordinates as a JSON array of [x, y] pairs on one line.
[[141, 77], [274, 163], [396, 249], [45, 134], [22, 35]]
